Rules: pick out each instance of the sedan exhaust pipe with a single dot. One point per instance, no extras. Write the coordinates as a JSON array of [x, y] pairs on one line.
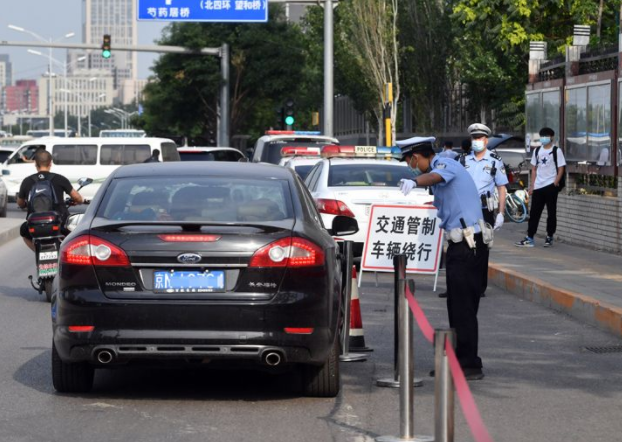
[[105, 357], [272, 358]]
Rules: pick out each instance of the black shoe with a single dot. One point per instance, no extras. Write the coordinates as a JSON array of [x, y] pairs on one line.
[[432, 374], [442, 295], [473, 374]]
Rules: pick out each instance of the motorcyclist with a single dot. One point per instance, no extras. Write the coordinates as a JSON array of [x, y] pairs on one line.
[[60, 184]]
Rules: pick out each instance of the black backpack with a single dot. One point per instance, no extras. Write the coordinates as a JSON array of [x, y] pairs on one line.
[[42, 197], [562, 181]]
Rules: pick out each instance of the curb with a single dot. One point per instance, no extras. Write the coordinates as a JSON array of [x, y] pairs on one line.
[[584, 308], [9, 234]]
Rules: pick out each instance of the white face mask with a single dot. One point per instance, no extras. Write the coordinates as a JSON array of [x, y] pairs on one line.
[[415, 169], [478, 145]]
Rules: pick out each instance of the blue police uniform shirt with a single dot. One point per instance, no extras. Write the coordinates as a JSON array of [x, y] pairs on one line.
[[446, 153], [456, 196], [481, 172]]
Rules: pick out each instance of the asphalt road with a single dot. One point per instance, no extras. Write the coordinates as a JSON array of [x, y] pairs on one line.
[[541, 384]]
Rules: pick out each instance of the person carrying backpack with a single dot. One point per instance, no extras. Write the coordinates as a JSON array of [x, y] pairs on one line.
[[547, 180], [44, 191]]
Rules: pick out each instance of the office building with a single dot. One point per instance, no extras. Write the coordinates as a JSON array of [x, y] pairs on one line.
[[23, 97]]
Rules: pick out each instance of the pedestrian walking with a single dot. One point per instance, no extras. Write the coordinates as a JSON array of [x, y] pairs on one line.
[[448, 151], [547, 180], [459, 209]]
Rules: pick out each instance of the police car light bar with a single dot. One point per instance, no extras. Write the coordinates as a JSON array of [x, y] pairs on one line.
[[292, 132], [383, 152], [293, 151]]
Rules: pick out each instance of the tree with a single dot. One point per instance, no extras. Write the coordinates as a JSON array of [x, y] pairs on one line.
[[267, 65], [370, 33]]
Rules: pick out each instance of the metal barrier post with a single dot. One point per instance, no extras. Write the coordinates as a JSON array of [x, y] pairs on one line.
[[346, 356], [406, 365], [443, 388], [399, 278]]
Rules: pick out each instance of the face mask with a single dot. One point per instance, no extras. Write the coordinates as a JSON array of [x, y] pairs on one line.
[[545, 140], [478, 145], [416, 169]]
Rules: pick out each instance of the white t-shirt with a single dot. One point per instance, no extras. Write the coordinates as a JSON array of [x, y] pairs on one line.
[[545, 166]]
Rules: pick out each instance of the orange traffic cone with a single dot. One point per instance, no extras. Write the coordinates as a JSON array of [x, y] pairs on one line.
[[357, 335]]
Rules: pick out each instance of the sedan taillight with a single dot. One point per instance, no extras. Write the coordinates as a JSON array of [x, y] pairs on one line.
[[91, 250], [333, 207], [288, 252]]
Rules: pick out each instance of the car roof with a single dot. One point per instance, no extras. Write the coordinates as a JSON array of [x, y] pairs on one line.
[[268, 138], [499, 140], [206, 149], [300, 161], [335, 161], [181, 168], [106, 140]]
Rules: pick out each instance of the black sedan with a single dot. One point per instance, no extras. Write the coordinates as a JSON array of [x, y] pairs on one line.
[[200, 263]]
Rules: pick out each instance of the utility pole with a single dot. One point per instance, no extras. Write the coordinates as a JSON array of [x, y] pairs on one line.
[[329, 91]]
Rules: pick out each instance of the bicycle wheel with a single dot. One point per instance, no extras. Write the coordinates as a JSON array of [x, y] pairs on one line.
[[515, 209]]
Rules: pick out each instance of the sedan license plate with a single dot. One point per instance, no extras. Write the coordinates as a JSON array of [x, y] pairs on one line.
[[186, 281]]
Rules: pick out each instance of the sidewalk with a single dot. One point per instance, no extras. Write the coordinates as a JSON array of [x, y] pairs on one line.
[[580, 282], [9, 229]]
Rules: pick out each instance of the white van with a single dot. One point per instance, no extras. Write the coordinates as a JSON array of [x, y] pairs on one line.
[[83, 157]]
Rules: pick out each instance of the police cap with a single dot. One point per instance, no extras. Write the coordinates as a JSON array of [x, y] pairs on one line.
[[414, 145], [479, 129]]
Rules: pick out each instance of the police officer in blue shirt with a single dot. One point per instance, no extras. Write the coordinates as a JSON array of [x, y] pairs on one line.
[[459, 209], [487, 170], [448, 151]]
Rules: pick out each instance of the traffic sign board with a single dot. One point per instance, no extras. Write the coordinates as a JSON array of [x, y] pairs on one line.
[[203, 10]]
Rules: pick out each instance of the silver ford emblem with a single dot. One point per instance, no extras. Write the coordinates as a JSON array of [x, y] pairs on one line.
[[189, 258]]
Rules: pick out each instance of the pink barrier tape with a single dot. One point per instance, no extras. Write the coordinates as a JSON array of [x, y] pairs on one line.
[[467, 403], [420, 317], [469, 407]]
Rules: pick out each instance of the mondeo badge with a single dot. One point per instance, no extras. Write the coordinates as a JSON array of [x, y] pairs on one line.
[[189, 258]]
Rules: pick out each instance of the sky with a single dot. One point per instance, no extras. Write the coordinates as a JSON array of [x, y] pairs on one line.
[[56, 18]]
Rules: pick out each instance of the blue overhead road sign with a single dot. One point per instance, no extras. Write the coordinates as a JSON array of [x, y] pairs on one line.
[[203, 10]]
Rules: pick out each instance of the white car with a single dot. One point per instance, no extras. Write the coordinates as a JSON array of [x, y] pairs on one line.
[[209, 154], [346, 182], [269, 147], [4, 199], [301, 159]]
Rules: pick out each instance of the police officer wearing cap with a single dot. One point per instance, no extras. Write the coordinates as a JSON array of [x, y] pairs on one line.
[[488, 171], [459, 209]]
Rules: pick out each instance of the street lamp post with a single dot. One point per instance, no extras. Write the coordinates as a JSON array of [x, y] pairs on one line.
[[49, 91], [64, 65], [81, 98]]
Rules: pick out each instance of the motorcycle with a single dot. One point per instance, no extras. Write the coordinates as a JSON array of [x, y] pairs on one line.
[[47, 235]]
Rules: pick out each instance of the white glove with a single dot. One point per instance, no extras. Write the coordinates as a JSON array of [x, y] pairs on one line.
[[407, 185], [499, 221]]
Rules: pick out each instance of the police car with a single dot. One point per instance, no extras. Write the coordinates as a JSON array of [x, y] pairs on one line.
[[349, 179], [268, 148], [301, 159]]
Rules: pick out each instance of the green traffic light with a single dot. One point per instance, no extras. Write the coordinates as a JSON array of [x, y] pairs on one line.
[[106, 53], [289, 120]]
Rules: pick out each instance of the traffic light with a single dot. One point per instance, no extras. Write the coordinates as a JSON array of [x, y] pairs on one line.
[[106, 49], [280, 118], [289, 112]]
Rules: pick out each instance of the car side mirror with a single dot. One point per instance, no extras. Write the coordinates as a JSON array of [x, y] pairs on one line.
[[344, 226], [85, 181], [243, 160]]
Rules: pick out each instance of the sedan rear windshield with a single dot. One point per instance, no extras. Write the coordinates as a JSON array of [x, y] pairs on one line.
[[215, 155], [381, 174], [272, 151], [199, 199]]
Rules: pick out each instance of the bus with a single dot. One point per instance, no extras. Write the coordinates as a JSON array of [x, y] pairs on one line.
[[122, 133]]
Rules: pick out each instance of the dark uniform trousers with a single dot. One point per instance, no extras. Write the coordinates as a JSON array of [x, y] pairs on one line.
[[464, 282]]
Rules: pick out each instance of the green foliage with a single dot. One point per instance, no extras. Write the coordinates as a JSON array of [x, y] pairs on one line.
[[267, 66]]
